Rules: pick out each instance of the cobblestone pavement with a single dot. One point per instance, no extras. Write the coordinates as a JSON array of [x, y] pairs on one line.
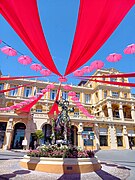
[[10, 169]]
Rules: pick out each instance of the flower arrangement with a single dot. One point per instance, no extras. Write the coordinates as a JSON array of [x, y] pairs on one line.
[[53, 151]]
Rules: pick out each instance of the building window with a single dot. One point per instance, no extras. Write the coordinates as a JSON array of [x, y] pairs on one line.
[[119, 137], [122, 80], [96, 94], [78, 95], [27, 92], [125, 95], [113, 79], [105, 94], [52, 94], [115, 94], [35, 91], [13, 92], [1, 86], [65, 95], [87, 98], [116, 114]]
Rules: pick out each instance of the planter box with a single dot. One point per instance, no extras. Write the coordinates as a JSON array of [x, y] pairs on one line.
[[61, 165]]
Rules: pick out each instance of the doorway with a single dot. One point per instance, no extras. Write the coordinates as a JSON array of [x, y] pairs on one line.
[[19, 133]]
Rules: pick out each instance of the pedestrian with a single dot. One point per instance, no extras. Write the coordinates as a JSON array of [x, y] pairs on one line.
[[130, 145]]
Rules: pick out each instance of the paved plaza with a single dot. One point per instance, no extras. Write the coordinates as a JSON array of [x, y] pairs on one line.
[[116, 164]]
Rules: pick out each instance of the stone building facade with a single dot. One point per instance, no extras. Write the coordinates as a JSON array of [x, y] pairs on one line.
[[113, 107]]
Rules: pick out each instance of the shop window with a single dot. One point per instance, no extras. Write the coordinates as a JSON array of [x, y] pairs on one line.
[[119, 141], [103, 140], [105, 94], [88, 141], [76, 114]]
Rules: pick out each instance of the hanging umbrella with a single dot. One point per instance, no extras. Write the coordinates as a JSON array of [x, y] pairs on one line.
[[130, 49], [91, 68], [85, 69], [0, 41], [25, 60], [62, 79], [45, 72], [71, 93], [114, 57], [9, 51], [50, 86], [36, 67], [78, 73], [98, 64], [67, 87], [75, 98]]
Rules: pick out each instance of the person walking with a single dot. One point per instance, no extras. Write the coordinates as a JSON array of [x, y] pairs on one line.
[[130, 145]]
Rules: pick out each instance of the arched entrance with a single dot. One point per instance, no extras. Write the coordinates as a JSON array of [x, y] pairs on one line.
[[74, 136], [47, 130], [19, 133]]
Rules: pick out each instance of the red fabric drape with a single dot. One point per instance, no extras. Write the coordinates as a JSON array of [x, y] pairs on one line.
[[96, 22], [28, 107], [18, 77], [23, 16], [126, 75], [54, 108], [114, 83], [17, 87]]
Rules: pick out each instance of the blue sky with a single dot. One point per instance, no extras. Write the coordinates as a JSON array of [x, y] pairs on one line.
[[58, 20]]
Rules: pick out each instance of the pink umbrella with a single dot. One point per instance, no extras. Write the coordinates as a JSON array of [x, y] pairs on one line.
[[0, 41], [85, 69], [62, 79], [36, 67], [44, 90], [130, 49], [50, 86], [71, 93], [67, 87], [9, 51], [78, 73], [91, 68], [25, 60], [45, 72], [75, 98], [98, 64], [114, 57]]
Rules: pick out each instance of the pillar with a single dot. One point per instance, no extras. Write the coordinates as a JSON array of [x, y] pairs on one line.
[[133, 112], [100, 94], [112, 134], [83, 98], [109, 107], [96, 132], [80, 139], [8, 135], [121, 111], [74, 136], [125, 137]]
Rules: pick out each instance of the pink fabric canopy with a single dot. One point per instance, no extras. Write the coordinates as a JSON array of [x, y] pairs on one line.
[[24, 18], [96, 22]]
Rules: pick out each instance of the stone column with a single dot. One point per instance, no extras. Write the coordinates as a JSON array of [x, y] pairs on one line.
[[83, 97], [80, 139], [20, 91], [109, 107], [100, 94], [121, 111], [96, 132], [125, 137], [112, 133], [27, 137], [133, 112], [8, 135]]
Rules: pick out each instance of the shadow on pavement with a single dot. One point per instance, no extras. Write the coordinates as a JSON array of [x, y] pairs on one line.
[[106, 176], [115, 165], [70, 177], [13, 174]]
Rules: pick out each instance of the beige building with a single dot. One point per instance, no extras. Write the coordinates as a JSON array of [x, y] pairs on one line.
[[112, 105]]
